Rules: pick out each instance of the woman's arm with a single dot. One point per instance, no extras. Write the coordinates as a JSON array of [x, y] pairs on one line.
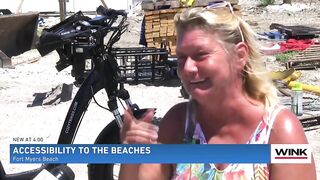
[[287, 129]]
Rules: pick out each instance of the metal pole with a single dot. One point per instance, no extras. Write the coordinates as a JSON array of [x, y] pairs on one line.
[[104, 4], [62, 9], [19, 9]]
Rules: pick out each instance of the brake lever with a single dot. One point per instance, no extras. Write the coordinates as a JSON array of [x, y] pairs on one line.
[[139, 113]]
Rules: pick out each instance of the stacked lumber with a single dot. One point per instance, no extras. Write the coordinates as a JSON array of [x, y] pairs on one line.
[[159, 28], [159, 23]]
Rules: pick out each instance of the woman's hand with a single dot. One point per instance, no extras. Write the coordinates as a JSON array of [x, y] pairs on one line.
[[140, 131]]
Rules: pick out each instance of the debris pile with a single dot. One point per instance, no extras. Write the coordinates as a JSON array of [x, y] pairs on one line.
[[296, 48]]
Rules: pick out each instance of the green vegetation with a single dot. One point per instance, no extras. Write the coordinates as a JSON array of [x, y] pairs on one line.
[[267, 2], [284, 57]]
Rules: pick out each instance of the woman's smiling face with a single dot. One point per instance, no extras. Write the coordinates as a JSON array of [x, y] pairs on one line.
[[203, 63]]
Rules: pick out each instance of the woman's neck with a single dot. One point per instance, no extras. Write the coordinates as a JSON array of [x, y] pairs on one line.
[[228, 111]]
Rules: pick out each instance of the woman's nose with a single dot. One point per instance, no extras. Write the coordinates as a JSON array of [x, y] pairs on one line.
[[190, 65]]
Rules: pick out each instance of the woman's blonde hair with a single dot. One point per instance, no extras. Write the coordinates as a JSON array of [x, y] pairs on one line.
[[231, 29]]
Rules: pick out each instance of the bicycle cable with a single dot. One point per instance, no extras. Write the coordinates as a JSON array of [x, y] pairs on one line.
[[121, 103], [97, 101]]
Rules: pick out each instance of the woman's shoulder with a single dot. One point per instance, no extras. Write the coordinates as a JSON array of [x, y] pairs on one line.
[[179, 108], [287, 129], [171, 129], [176, 112]]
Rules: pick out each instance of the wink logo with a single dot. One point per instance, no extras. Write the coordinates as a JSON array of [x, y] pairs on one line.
[[290, 153]]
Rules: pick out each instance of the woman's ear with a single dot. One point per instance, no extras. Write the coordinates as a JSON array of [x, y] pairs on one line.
[[241, 55]]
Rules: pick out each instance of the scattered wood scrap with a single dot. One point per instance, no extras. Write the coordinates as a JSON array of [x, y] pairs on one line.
[[310, 123], [5, 61]]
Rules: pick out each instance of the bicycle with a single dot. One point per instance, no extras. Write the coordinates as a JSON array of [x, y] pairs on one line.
[[75, 39]]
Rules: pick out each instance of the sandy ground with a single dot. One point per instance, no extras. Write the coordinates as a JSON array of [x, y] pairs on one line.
[[17, 87]]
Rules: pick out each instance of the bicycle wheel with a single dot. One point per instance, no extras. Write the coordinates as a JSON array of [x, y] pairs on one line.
[[109, 135]]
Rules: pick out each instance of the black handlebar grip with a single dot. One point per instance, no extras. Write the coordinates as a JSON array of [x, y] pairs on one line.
[[110, 12]]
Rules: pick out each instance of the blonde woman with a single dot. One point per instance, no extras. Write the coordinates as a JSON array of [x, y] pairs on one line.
[[232, 102]]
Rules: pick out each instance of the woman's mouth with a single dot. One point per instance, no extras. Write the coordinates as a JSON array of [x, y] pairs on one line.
[[197, 81], [199, 84]]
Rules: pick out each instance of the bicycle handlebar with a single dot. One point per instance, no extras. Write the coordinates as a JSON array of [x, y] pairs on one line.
[[78, 38], [79, 25], [110, 12]]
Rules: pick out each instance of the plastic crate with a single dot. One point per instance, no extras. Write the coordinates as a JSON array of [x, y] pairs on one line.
[[141, 64]]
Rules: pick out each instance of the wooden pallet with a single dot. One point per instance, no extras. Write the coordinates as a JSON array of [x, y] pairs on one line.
[[307, 59], [159, 28]]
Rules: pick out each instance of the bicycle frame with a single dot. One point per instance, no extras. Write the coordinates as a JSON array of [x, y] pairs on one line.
[[92, 84], [19, 176], [104, 75]]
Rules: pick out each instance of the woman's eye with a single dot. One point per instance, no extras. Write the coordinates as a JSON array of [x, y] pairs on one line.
[[200, 56]]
